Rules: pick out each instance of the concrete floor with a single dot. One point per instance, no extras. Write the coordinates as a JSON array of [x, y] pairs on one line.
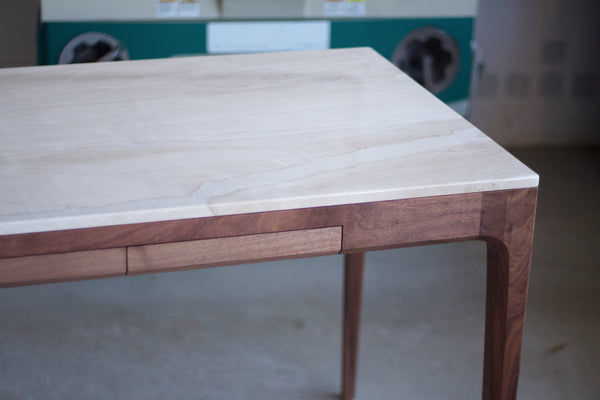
[[272, 330]]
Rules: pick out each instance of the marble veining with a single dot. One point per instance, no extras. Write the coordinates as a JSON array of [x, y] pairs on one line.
[[139, 141]]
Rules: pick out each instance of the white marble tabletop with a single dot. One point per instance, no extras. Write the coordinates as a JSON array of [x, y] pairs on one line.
[[139, 141]]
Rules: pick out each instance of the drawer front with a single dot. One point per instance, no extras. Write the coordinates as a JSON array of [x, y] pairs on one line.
[[62, 267], [234, 250]]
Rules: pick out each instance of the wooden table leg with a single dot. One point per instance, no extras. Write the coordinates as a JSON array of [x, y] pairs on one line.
[[507, 226], [353, 275]]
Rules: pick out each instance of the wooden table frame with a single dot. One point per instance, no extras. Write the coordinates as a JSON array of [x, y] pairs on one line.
[[503, 219]]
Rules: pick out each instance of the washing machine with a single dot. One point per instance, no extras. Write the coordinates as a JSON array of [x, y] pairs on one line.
[[430, 40]]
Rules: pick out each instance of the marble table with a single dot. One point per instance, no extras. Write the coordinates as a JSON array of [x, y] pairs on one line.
[[113, 169]]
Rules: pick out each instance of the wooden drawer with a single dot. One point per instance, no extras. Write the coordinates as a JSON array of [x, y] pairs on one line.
[[62, 267], [233, 250]]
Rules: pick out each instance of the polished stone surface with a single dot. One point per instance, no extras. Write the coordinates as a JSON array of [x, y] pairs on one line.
[[113, 143]]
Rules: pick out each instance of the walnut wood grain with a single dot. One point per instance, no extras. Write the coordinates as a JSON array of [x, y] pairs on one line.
[[233, 250], [390, 224], [166, 231], [353, 276], [504, 219], [507, 224], [62, 267], [366, 226]]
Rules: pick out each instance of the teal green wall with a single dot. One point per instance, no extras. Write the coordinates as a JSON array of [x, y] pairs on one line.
[[158, 39], [142, 39]]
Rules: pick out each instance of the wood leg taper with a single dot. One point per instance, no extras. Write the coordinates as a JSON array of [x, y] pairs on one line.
[[353, 275], [505, 312], [507, 226]]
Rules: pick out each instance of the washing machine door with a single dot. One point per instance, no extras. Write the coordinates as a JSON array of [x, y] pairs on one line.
[[93, 47], [430, 56]]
